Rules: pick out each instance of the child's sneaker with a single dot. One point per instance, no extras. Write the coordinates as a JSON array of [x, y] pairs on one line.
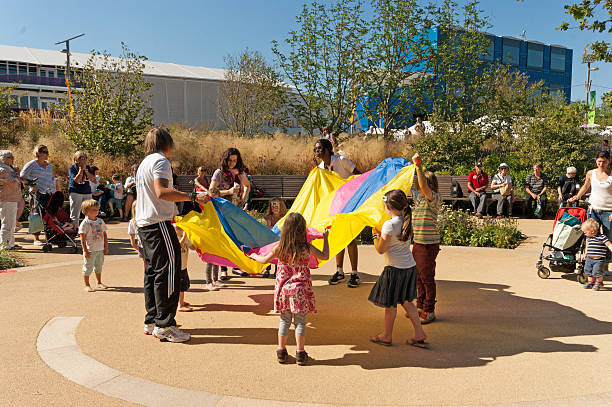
[[212, 287], [282, 355], [588, 284], [354, 282], [220, 284], [597, 286], [148, 329], [171, 334], [338, 277], [301, 357], [427, 317]]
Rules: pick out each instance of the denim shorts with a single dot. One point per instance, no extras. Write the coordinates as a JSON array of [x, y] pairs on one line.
[[594, 267]]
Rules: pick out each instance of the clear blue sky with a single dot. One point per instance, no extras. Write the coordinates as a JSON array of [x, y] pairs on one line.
[[202, 32]]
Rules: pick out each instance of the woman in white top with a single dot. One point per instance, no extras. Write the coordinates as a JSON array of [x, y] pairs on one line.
[[599, 180], [46, 183], [325, 158], [502, 189]]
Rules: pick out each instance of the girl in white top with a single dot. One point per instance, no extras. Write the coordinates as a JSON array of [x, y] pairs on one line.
[[397, 283], [599, 180]]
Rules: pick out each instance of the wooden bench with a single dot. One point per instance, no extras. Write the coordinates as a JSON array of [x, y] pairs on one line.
[[274, 186]]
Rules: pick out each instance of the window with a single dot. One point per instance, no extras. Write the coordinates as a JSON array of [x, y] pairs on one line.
[[32, 70], [23, 102], [34, 102], [3, 69], [535, 56], [23, 69], [490, 52], [12, 68], [557, 59], [511, 51]]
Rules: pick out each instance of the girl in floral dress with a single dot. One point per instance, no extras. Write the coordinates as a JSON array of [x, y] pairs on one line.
[[293, 295]]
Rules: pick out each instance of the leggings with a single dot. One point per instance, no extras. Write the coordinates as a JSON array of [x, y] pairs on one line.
[[212, 273], [299, 320]]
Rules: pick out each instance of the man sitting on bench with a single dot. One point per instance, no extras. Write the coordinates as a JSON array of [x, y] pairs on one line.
[[477, 183]]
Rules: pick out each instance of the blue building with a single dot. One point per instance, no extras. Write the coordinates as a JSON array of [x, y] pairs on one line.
[[551, 64]]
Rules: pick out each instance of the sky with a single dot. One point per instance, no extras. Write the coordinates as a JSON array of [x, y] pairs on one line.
[[203, 32]]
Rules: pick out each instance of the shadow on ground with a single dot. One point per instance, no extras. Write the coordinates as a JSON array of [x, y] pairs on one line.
[[479, 323]]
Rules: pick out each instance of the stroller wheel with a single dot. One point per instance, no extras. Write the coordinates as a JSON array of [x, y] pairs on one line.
[[581, 278], [75, 249], [543, 272], [46, 248]]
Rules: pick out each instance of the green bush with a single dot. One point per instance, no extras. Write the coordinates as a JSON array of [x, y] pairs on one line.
[[9, 260], [458, 228]]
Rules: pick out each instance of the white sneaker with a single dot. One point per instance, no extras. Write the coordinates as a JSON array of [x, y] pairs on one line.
[[148, 329], [38, 243], [171, 334], [219, 284], [212, 287]]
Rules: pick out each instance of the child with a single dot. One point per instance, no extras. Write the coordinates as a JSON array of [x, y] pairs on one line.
[[595, 254], [117, 199], [184, 284], [133, 232], [293, 295], [94, 241], [276, 211], [397, 283]]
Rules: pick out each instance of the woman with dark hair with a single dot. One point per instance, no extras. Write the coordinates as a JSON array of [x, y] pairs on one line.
[[426, 239], [599, 181], [233, 185], [325, 158]]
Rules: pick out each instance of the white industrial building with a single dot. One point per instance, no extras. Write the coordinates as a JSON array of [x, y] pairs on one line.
[[180, 93]]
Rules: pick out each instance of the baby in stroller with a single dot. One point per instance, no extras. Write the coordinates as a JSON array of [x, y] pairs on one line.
[[59, 229]]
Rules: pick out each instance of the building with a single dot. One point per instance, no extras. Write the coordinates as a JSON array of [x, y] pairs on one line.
[[180, 93], [551, 64]]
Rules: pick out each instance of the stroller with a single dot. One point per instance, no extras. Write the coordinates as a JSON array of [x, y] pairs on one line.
[[565, 245], [55, 219]]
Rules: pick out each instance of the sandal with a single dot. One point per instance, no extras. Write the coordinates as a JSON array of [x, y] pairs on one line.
[[376, 339], [419, 343], [185, 309]]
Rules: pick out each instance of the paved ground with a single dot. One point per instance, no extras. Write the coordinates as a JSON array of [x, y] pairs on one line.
[[503, 335]]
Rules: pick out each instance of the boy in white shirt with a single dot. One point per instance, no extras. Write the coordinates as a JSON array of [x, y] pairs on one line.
[[117, 199], [94, 241]]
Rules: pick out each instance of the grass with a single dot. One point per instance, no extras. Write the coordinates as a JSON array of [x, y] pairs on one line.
[[9, 260], [266, 154]]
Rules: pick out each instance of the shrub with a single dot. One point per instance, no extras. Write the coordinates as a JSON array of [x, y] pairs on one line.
[[458, 228], [9, 260]]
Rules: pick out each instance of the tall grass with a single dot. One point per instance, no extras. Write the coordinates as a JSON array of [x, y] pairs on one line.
[[267, 154]]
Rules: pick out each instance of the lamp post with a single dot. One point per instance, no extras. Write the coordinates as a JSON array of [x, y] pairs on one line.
[[67, 51], [588, 60]]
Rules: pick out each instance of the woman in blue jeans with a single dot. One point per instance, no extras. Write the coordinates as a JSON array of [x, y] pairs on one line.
[[599, 180]]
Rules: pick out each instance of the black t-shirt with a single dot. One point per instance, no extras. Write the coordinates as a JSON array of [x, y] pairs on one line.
[[568, 186]]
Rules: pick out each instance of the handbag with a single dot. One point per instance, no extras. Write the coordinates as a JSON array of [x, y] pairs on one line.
[[35, 223], [505, 190], [538, 209]]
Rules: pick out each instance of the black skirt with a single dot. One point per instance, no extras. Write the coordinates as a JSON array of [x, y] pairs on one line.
[[394, 286]]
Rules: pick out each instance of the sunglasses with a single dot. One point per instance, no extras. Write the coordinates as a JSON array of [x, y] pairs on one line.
[[43, 152]]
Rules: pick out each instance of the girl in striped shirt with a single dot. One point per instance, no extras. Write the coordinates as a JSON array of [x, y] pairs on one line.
[[595, 254]]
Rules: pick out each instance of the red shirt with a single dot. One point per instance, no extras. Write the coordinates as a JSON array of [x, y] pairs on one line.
[[478, 181]]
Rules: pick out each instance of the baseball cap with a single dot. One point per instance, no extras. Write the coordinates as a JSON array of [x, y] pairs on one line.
[[502, 165]]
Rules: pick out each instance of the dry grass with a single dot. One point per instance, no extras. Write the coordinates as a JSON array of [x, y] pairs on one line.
[[274, 154]]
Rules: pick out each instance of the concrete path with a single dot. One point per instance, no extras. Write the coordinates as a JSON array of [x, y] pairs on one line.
[[505, 337]]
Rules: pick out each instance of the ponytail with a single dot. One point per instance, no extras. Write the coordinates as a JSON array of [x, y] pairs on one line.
[[397, 200], [407, 224]]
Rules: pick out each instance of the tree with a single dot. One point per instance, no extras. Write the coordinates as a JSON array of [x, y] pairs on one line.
[[7, 116], [397, 49], [111, 104], [595, 16], [323, 62], [457, 84], [251, 95]]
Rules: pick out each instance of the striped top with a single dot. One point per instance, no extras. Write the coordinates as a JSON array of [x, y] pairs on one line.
[[425, 218], [596, 246]]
